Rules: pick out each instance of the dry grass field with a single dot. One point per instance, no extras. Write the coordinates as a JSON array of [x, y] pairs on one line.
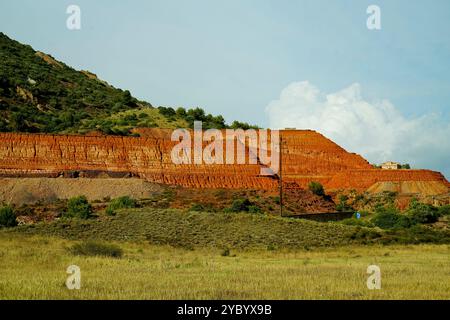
[[34, 267]]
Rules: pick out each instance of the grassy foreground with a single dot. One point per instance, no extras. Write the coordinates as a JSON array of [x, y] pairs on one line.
[[34, 267]]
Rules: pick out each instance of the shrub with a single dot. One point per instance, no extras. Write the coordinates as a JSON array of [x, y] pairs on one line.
[[120, 203], [316, 188], [389, 218], [7, 217], [444, 210], [423, 213], [93, 248], [240, 205], [78, 207]]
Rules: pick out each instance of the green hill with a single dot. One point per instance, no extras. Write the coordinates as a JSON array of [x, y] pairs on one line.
[[42, 95]]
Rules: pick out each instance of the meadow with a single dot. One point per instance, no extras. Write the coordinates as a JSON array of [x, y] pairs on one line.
[[178, 254], [34, 267]]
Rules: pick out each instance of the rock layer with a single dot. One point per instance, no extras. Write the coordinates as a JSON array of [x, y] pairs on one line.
[[306, 156]]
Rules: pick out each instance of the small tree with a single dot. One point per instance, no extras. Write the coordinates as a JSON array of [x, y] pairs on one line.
[[316, 188], [7, 217], [79, 207]]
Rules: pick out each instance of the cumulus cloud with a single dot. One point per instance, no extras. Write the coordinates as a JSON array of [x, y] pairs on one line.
[[374, 129]]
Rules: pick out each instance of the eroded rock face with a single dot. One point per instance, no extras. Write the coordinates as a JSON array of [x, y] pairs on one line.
[[307, 156]]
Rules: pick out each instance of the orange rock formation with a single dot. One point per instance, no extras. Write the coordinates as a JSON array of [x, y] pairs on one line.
[[307, 156]]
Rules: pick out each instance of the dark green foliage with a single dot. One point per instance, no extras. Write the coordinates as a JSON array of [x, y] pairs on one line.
[[78, 207], [243, 205], [242, 125], [198, 114], [316, 188], [389, 218], [422, 213], [7, 217], [405, 166], [240, 205], [92, 248], [181, 112], [167, 112], [444, 210]]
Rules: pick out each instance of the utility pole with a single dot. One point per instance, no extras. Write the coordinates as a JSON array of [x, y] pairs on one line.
[[281, 175]]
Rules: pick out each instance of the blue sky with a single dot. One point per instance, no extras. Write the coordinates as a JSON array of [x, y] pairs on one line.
[[236, 57]]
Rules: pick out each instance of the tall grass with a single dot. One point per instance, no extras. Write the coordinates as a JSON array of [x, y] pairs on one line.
[[35, 268]]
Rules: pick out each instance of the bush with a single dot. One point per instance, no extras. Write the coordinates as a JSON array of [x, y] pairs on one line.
[[389, 218], [7, 217], [240, 205], [92, 248], [423, 213], [444, 210], [120, 203], [78, 207], [316, 188], [243, 205]]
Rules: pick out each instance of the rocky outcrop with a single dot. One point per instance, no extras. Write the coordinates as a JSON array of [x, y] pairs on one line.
[[307, 156]]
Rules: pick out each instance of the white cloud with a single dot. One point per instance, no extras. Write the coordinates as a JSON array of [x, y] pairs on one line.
[[376, 130]]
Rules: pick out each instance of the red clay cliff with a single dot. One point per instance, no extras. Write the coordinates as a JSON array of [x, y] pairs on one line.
[[306, 156]]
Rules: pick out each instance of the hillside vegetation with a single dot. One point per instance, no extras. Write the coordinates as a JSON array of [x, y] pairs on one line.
[[191, 229], [179, 228], [39, 94]]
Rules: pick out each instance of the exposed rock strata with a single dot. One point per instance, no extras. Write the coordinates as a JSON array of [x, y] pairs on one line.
[[307, 156]]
